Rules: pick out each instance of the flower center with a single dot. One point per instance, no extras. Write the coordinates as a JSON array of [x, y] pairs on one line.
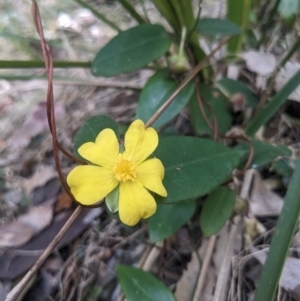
[[125, 170]]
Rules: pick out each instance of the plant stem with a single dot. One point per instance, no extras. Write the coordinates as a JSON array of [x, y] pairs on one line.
[[145, 11], [41, 64], [132, 11], [281, 240], [60, 80], [98, 15], [189, 77]]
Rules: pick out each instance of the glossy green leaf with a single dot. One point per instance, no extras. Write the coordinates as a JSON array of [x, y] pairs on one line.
[[264, 153], [288, 9], [281, 241], [168, 218], [272, 107], [91, 129], [217, 27], [156, 91], [220, 107], [194, 166], [131, 49], [216, 210], [284, 167], [230, 87], [138, 285]]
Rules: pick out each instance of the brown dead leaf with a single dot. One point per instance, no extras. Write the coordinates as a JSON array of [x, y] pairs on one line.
[[263, 202], [42, 175], [15, 234], [20, 231], [38, 218], [259, 62], [188, 281], [64, 202], [14, 263], [35, 124], [187, 284]]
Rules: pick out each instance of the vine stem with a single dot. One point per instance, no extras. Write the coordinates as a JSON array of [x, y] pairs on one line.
[[189, 77]]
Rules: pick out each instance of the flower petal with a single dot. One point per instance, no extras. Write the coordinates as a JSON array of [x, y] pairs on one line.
[[104, 151], [150, 173], [90, 184], [135, 203], [140, 143]]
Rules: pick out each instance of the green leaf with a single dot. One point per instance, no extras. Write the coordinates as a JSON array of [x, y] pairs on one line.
[[238, 12], [288, 9], [284, 167], [230, 87], [281, 241], [131, 49], [264, 153], [138, 285], [194, 166], [272, 107], [216, 210], [218, 104], [168, 218], [91, 129], [112, 200], [217, 27], [156, 91]]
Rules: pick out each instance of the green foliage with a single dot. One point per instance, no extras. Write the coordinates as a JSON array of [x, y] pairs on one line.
[[91, 128], [156, 91], [194, 166], [169, 218], [217, 209], [131, 49], [217, 27], [264, 153], [288, 9], [230, 87], [139, 285], [284, 167], [238, 13], [273, 105], [213, 101]]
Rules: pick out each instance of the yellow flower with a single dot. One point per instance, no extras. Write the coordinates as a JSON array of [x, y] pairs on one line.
[[131, 170]]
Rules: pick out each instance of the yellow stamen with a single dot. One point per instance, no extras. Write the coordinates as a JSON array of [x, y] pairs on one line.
[[125, 170]]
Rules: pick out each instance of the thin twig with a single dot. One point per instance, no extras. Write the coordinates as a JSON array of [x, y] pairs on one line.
[[205, 265], [17, 290], [189, 77], [132, 11]]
